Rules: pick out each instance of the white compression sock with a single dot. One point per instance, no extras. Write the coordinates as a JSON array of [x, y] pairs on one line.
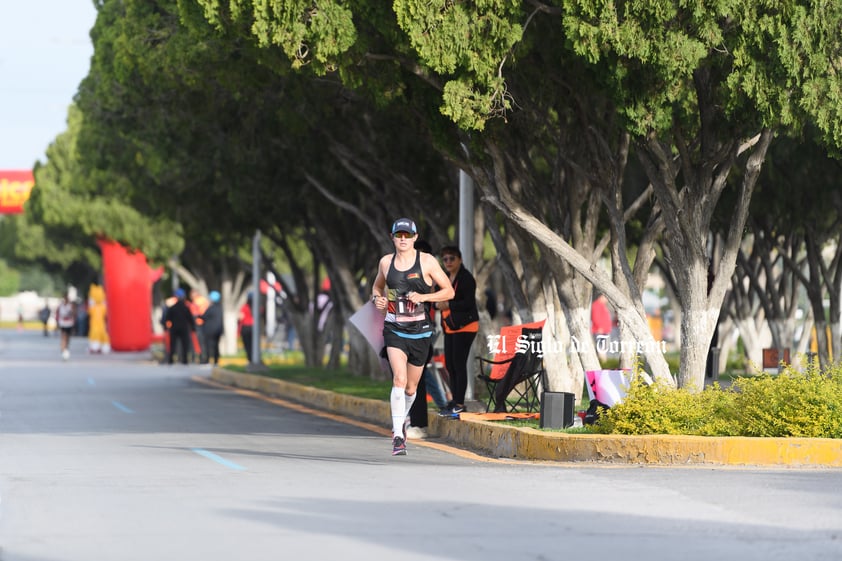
[[398, 403], [410, 399]]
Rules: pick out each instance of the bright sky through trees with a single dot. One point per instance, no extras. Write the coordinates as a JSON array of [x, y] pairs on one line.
[[45, 52]]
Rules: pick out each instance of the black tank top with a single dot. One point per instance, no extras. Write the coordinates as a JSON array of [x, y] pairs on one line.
[[401, 313]]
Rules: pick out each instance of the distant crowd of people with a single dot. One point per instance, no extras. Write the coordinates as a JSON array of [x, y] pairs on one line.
[[193, 327]]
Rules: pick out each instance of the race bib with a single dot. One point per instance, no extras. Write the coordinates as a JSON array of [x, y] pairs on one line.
[[405, 310]]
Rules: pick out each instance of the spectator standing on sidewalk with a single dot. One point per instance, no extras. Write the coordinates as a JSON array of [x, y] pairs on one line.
[[181, 327], [213, 327], [460, 323], [198, 304], [245, 323]]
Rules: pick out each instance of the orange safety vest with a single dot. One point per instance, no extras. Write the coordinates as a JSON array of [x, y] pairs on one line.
[[198, 307]]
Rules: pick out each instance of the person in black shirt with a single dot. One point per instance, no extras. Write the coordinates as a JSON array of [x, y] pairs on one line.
[[181, 324], [460, 323], [213, 327]]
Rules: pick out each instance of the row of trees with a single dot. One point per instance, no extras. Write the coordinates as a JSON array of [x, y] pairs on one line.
[[634, 131]]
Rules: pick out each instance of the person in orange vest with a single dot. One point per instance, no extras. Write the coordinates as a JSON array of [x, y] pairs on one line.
[[460, 323], [198, 304]]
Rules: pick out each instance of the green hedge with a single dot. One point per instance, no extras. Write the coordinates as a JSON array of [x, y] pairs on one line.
[[788, 404]]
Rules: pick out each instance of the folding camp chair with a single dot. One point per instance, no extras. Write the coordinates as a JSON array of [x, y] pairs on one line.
[[521, 375]]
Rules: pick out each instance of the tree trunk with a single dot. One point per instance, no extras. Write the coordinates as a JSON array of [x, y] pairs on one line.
[[554, 342], [806, 333], [500, 191], [700, 282], [698, 321], [583, 356], [727, 342], [755, 336], [629, 313], [820, 326]]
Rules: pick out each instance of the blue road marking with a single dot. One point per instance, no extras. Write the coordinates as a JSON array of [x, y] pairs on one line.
[[91, 382], [217, 459], [121, 407]]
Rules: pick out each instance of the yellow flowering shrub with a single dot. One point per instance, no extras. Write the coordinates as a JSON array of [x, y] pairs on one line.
[[789, 404]]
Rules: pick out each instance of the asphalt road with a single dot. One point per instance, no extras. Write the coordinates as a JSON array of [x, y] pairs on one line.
[[116, 458]]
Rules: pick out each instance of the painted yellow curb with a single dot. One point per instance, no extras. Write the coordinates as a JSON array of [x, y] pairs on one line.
[[527, 443], [500, 441]]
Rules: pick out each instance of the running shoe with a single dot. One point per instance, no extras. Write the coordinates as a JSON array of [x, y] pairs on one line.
[[452, 411], [398, 446], [446, 408]]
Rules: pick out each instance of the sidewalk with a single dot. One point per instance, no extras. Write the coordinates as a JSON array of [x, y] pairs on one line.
[[498, 441]]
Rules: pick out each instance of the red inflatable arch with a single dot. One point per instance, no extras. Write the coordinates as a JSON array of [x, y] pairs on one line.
[[128, 295]]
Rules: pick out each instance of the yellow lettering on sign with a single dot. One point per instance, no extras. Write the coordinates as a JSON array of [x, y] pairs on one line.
[[13, 194]]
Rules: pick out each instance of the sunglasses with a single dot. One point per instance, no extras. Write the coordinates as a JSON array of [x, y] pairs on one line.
[[449, 258], [403, 235]]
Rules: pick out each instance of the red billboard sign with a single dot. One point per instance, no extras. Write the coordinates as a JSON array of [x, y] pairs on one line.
[[15, 186]]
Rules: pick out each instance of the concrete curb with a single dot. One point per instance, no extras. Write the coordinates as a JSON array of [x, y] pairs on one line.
[[370, 410], [500, 441]]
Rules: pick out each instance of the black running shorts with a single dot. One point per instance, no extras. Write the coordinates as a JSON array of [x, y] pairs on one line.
[[415, 349]]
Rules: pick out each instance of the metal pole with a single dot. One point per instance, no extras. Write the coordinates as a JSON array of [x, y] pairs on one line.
[[466, 246], [466, 219], [314, 330], [255, 299]]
